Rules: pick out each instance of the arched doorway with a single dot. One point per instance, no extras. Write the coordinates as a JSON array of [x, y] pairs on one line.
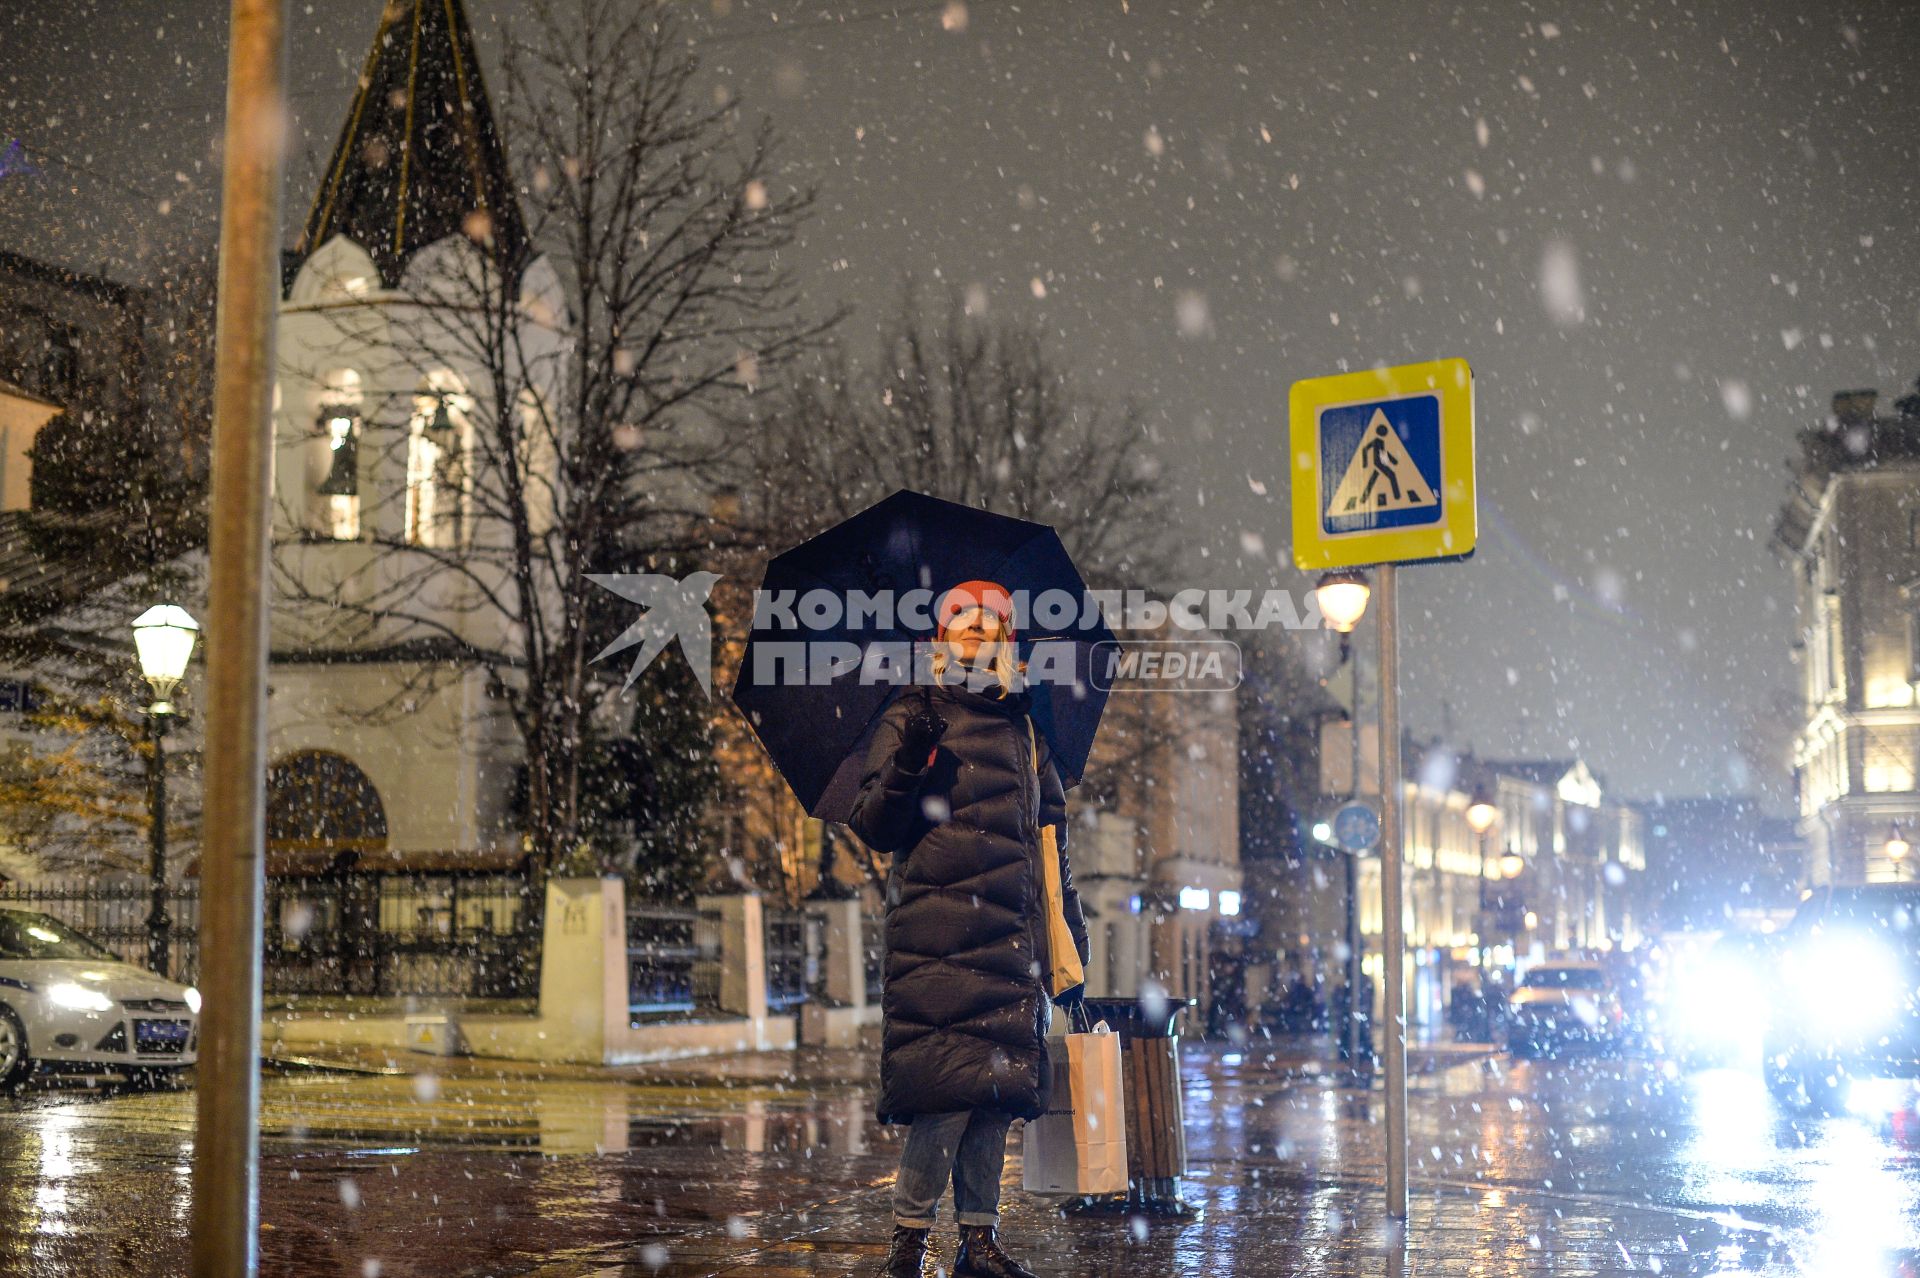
[[322, 810], [323, 815]]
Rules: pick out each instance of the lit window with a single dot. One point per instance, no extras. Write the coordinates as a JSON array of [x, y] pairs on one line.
[[334, 458], [1195, 898], [1229, 903], [436, 458]]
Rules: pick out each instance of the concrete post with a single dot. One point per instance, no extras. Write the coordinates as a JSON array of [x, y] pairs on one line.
[[583, 969], [845, 957], [743, 954]]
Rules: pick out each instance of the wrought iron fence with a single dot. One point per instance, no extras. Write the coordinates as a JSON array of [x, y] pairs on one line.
[[793, 957], [115, 915], [673, 959], [873, 945], [433, 935]]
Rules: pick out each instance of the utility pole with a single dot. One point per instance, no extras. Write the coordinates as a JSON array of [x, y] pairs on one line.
[[226, 1196]]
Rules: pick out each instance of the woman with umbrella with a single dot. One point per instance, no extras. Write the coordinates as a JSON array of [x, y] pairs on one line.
[[961, 790]]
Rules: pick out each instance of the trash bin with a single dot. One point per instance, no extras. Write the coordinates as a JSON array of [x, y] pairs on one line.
[[1156, 1136]]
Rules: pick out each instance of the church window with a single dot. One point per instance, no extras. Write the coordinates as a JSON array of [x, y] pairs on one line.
[[437, 447], [334, 458]]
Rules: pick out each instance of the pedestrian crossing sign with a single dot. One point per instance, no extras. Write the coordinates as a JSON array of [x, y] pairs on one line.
[[1383, 466]]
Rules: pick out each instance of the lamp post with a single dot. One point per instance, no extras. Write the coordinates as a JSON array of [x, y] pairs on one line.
[[164, 636], [1482, 813], [1342, 597]]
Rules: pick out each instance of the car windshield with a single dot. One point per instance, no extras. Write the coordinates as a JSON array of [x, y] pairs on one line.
[[37, 936], [1565, 978]]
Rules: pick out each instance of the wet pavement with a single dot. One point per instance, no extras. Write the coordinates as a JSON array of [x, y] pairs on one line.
[[771, 1165]]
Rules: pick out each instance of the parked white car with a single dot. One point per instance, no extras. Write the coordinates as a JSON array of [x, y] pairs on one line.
[[67, 1003]]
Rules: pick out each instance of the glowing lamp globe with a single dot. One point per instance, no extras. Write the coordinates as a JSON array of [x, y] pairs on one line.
[[1481, 814], [164, 635], [1343, 599]]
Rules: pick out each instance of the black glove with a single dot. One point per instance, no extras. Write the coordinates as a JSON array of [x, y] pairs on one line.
[[1073, 999], [917, 740]]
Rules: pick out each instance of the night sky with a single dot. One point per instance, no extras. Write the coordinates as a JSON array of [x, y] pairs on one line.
[[1663, 234]]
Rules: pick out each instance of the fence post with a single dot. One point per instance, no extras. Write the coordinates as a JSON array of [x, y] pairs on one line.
[[743, 954], [846, 955], [583, 968]]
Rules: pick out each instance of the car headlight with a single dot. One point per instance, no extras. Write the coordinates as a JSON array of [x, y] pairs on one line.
[[192, 997], [1847, 984], [1718, 999], [78, 998]]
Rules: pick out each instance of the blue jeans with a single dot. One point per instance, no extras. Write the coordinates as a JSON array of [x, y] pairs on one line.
[[970, 1146]]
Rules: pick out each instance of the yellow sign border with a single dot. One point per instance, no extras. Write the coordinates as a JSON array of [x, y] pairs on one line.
[[1457, 531]]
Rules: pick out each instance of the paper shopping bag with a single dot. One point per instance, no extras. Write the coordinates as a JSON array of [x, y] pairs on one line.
[[1079, 1146]]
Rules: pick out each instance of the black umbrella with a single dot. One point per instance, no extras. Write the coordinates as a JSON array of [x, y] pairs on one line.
[[816, 730]]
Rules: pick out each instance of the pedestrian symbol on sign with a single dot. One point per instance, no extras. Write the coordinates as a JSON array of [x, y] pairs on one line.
[[1381, 476], [1380, 464]]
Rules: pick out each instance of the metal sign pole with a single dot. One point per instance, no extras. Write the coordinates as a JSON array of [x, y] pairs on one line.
[[226, 1143], [1393, 945], [1383, 474]]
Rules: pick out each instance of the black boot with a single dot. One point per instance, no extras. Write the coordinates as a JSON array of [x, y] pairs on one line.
[[908, 1253], [980, 1256]]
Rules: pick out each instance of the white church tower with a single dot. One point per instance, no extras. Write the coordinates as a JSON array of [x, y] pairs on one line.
[[390, 527]]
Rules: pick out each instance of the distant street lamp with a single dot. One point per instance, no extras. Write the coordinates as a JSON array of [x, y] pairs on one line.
[[1343, 599], [1481, 815], [164, 636], [1896, 846]]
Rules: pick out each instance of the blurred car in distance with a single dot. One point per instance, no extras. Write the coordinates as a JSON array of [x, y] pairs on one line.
[[1564, 1003]]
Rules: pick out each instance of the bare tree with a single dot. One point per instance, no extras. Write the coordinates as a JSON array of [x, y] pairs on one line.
[[978, 411], [599, 356]]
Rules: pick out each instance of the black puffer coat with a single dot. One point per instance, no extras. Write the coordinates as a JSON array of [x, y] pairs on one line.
[[964, 999]]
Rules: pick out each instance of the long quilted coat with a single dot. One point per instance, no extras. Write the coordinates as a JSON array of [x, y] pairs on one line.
[[964, 999]]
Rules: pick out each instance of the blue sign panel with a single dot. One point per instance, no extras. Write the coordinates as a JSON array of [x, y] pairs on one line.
[[1380, 464], [1356, 828]]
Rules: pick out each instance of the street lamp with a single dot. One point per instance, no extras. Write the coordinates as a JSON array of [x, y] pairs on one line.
[[164, 636], [1896, 845], [1343, 599], [1481, 814]]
